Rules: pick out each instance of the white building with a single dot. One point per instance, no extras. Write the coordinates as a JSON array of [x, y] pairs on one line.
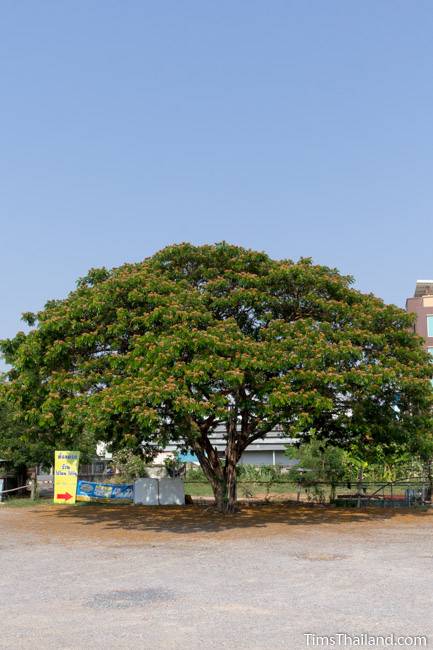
[[269, 450]]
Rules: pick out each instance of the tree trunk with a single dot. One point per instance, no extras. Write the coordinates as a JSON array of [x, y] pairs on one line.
[[225, 492], [231, 486], [34, 484], [224, 482], [222, 477], [219, 494], [214, 472], [232, 456]]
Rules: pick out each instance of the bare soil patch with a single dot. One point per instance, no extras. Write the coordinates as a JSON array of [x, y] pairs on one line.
[[135, 524]]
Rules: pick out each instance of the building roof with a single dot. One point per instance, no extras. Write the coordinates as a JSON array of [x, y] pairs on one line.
[[423, 288], [275, 440]]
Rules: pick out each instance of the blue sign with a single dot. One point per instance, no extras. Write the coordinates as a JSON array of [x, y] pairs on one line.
[[87, 491], [188, 458]]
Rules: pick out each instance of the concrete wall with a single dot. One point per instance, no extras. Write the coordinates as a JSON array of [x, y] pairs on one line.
[[146, 492], [163, 492]]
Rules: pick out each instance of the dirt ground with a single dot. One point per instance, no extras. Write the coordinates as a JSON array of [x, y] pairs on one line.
[[101, 576], [123, 524]]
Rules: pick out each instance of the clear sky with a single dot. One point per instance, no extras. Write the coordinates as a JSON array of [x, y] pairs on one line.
[[302, 128]]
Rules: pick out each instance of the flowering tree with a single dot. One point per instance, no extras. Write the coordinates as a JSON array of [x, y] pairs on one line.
[[192, 337]]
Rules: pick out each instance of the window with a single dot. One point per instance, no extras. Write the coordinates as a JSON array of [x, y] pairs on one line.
[[430, 326]]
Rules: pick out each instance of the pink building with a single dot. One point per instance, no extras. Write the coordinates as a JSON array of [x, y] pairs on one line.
[[422, 305]]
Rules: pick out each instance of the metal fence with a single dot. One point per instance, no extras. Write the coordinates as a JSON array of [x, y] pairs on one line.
[[366, 493], [394, 494]]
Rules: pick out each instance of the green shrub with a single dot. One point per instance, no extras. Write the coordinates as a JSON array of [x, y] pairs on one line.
[[130, 465]]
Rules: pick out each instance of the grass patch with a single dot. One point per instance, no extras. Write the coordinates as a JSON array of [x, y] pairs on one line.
[[43, 501], [197, 489], [245, 488], [23, 503]]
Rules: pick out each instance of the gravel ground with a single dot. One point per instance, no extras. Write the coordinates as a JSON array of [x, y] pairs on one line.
[[93, 578]]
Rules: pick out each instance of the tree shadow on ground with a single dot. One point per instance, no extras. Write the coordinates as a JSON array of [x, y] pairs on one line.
[[201, 519]]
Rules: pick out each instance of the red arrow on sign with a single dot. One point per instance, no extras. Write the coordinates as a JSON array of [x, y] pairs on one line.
[[65, 496]]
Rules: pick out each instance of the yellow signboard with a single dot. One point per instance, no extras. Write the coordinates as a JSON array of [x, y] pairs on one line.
[[65, 476]]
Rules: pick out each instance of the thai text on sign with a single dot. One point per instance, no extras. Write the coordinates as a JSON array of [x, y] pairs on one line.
[[65, 476]]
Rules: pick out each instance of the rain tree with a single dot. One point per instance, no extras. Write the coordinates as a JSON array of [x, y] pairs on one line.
[[195, 336]]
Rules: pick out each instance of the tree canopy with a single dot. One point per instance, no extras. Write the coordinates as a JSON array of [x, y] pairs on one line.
[[195, 336]]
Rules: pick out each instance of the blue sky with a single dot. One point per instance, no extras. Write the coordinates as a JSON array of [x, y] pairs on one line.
[[300, 128]]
